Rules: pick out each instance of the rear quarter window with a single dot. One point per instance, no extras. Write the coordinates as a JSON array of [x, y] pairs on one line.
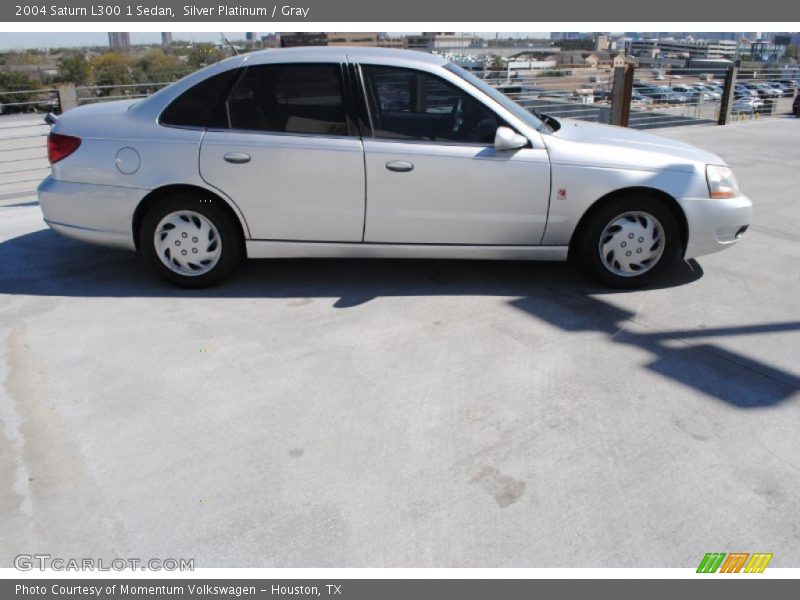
[[195, 106]]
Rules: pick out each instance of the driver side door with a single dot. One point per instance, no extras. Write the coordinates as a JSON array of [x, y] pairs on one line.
[[433, 174]]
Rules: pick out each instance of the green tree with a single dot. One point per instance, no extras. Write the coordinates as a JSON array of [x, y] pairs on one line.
[[74, 67], [791, 51], [112, 69], [158, 66], [202, 55], [13, 81]]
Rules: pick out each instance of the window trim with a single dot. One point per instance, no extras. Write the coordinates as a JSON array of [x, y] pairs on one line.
[[360, 104]]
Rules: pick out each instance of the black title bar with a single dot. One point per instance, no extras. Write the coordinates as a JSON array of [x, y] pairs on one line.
[[444, 11]]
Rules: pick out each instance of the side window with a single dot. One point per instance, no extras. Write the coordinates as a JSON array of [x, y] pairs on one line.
[[194, 107], [287, 98], [408, 104]]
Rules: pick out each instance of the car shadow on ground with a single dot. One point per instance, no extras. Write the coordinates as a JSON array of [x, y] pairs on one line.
[[44, 264]]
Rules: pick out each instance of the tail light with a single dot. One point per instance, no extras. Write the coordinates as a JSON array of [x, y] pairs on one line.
[[60, 146]]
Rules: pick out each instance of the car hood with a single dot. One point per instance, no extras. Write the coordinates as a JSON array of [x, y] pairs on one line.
[[620, 146]]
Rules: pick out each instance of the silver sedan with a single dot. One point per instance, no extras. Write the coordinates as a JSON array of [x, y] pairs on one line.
[[332, 152]]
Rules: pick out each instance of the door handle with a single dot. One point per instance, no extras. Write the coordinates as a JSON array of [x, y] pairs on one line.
[[237, 158], [399, 166]]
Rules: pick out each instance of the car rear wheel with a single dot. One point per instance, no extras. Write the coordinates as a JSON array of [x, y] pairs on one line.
[[629, 241], [189, 241]]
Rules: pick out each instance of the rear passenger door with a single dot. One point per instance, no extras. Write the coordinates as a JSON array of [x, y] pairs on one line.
[[284, 146]]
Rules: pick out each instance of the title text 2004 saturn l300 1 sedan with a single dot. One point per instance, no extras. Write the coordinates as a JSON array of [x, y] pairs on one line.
[[332, 152]]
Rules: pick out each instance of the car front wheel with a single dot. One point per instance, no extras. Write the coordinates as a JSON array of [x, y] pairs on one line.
[[190, 241], [629, 241]]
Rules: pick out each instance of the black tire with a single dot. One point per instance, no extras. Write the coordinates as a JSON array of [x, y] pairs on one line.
[[229, 238], [588, 239]]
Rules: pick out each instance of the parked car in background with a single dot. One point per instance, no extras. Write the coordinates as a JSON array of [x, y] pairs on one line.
[[743, 91], [763, 90], [601, 95], [711, 93], [692, 95], [376, 153], [747, 105], [637, 96], [784, 89], [660, 94]]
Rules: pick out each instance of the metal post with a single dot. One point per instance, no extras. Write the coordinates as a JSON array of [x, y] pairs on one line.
[[726, 102], [621, 95], [67, 96]]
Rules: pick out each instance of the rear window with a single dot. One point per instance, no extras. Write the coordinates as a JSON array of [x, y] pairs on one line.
[[195, 106]]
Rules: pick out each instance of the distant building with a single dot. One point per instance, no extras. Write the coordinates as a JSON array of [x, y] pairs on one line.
[[250, 38], [119, 41], [44, 72], [270, 41], [352, 39], [620, 60], [591, 61], [685, 48], [166, 40], [442, 41], [678, 35], [570, 35], [576, 44], [452, 41], [419, 42], [385, 41], [289, 40], [766, 51]]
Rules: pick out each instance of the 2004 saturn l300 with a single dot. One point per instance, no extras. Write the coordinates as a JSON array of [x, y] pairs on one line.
[[332, 152]]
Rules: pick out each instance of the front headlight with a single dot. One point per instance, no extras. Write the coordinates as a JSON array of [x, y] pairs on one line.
[[721, 182]]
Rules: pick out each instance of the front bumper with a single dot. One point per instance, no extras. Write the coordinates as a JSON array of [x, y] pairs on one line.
[[715, 224], [98, 214]]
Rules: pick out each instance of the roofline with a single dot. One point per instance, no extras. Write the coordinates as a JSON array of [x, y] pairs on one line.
[[352, 52]]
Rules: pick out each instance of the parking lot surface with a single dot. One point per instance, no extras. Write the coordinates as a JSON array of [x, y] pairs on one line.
[[408, 413]]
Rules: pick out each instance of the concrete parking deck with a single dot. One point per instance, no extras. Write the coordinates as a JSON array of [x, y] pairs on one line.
[[419, 413]]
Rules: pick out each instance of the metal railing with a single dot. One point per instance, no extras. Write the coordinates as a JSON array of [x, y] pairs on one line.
[[659, 97], [557, 92], [23, 154], [28, 100], [125, 91], [648, 98]]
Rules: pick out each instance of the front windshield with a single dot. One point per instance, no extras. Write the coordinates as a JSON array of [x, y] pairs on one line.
[[518, 111]]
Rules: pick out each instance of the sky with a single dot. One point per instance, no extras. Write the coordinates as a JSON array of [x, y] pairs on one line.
[[21, 40]]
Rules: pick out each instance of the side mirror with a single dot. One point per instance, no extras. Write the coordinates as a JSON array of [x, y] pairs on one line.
[[508, 139]]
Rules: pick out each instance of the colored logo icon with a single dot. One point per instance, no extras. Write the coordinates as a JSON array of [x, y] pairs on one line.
[[734, 562]]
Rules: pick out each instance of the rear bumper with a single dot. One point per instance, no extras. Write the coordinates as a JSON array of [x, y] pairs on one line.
[[98, 214], [715, 224]]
